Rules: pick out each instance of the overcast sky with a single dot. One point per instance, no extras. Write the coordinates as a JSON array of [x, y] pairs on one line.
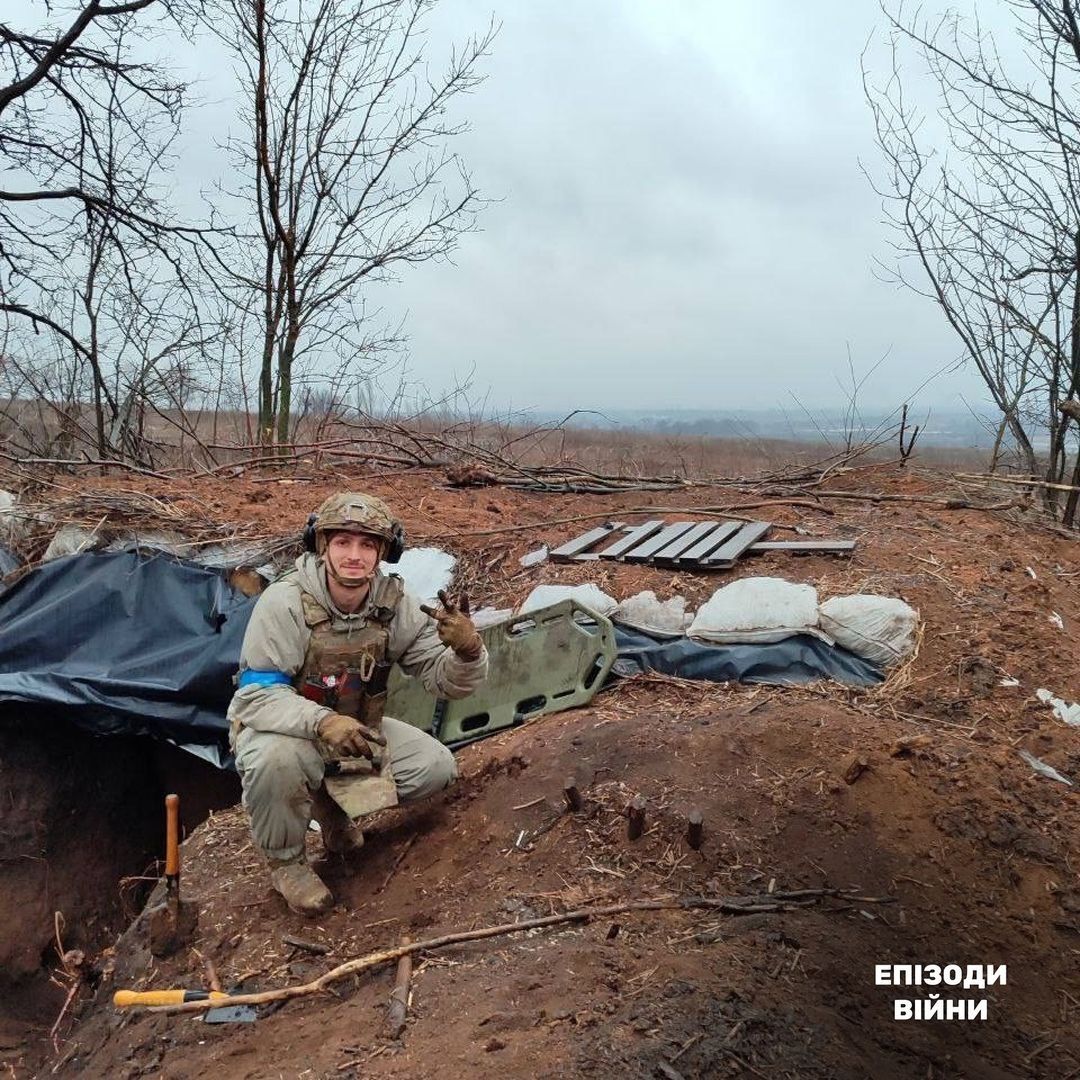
[[683, 222], [681, 218]]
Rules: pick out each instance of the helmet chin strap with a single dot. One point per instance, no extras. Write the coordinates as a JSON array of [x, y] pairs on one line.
[[346, 582]]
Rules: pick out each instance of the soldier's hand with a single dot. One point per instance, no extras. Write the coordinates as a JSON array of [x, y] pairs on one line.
[[348, 737], [456, 629]]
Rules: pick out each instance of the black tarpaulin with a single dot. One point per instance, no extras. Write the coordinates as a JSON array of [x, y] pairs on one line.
[[145, 643], [125, 643], [791, 662]]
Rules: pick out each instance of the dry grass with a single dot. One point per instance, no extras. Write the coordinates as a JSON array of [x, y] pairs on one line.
[[220, 439]]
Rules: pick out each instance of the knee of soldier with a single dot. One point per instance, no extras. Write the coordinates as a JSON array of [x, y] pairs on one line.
[[272, 765], [435, 773], [444, 769]]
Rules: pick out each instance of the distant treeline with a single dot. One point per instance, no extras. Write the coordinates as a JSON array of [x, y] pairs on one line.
[[939, 427]]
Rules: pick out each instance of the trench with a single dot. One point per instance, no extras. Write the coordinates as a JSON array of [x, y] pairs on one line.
[[81, 844]]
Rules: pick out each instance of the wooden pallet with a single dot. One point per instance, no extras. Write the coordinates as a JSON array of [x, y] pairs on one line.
[[686, 545]]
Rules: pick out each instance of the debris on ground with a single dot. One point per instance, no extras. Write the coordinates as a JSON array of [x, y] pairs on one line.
[[948, 848]]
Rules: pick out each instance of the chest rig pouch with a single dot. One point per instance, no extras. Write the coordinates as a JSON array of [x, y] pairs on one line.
[[347, 670]]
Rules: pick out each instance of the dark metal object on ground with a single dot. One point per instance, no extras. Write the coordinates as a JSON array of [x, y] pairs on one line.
[[582, 543], [635, 813], [729, 551], [797, 547], [231, 1014], [695, 829], [634, 536], [710, 540], [172, 924], [226, 1014], [687, 545], [662, 541], [682, 544]]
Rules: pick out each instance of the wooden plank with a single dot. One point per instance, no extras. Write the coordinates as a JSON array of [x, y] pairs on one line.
[[581, 543], [830, 547], [644, 552], [727, 553], [684, 542], [631, 539], [709, 542]]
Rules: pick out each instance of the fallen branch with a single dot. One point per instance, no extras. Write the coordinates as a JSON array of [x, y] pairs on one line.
[[97, 462], [1017, 480], [405, 848], [928, 500], [746, 905]]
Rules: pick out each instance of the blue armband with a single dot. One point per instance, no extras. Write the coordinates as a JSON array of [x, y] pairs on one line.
[[250, 677]]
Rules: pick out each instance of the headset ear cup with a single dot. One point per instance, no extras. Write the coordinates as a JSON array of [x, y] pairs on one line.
[[397, 543], [309, 533]]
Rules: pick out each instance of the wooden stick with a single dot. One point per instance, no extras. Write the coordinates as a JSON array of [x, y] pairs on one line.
[[1018, 480], [212, 980], [397, 862], [572, 795], [695, 828], [744, 905], [63, 1012], [308, 946], [399, 996], [635, 813]]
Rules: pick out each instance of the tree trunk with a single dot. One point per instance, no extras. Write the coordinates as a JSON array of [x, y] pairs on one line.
[[266, 390], [285, 362]]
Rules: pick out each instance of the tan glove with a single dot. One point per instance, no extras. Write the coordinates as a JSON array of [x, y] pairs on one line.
[[456, 630], [347, 736]]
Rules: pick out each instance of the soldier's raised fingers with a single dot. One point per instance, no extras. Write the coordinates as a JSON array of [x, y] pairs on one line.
[[463, 603]]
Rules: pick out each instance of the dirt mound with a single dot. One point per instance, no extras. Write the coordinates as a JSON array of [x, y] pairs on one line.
[[914, 794], [80, 835], [706, 995]]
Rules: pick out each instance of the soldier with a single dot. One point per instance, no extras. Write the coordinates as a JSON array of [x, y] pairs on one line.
[[338, 602]]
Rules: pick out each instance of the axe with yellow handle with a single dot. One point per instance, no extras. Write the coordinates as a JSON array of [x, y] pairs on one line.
[[123, 999]]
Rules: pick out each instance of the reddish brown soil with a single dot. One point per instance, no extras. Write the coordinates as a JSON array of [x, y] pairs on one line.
[[978, 852]]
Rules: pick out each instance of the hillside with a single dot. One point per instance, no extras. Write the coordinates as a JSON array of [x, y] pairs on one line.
[[912, 798]]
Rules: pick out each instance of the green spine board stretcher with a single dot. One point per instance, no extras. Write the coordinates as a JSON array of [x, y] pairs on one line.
[[541, 662]]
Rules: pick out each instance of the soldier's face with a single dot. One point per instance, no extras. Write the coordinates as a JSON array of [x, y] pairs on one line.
[[353, 555]]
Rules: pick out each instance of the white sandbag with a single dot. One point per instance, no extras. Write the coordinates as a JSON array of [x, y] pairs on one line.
[[644, 612], [757, 609], [425, 570], [12, 522], [70, 540], [592, 596], [879, 628], [490, 616]]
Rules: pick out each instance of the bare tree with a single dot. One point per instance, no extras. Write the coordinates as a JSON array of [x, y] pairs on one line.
[[92, 253], [347, 175], [990, 230], [69, 95]]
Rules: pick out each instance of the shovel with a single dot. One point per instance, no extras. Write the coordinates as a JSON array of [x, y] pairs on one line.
[[173, 923]]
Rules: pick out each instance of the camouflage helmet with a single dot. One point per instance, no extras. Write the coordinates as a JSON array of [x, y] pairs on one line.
[[352, 511]]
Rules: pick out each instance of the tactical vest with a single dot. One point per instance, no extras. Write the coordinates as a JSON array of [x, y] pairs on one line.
[[347, 669]]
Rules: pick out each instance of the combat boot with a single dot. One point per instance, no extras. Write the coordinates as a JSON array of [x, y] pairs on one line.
[[301, 888], [340, 835]]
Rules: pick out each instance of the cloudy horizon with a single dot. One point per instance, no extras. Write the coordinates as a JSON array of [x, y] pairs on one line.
[[678, 214]]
